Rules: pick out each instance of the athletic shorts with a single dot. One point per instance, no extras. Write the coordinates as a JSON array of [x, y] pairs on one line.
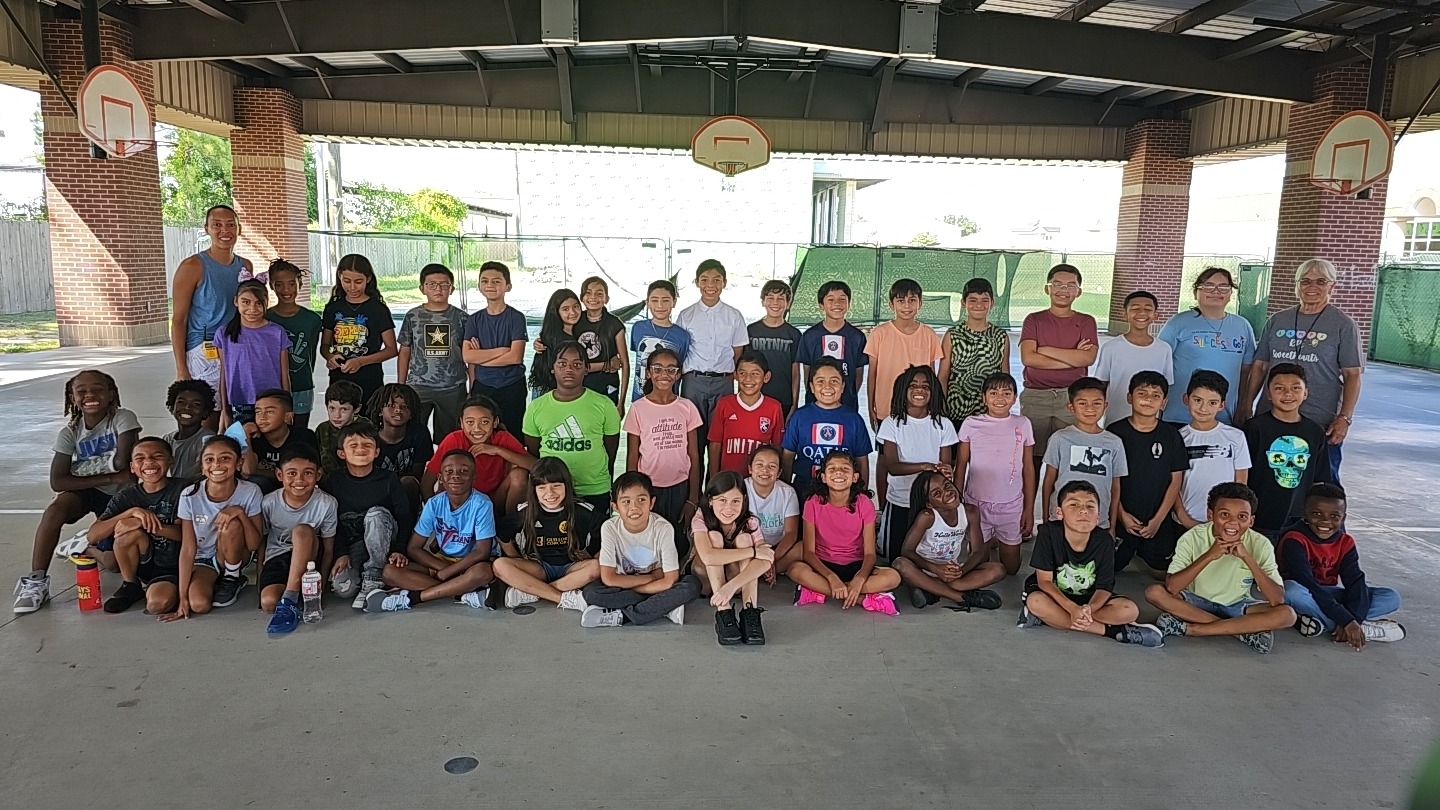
[[553, 572], [303, 401], [446, 558], [845, 571], [276, 571], [161, 562], [1001, 521], [203, 363]]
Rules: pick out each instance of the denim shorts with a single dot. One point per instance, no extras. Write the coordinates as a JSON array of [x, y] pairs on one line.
[[554, 572], [1216, 609]]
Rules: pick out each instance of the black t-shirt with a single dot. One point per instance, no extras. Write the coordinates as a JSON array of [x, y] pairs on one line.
[[779, 344], [1285, 459], [164, 553], [599, 340], [355, 495], [357, 330], [267, 455], [1078, 574], [1151, 458], [552, 543], [415, 449]]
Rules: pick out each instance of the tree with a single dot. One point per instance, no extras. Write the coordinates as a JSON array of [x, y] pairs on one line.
[[312, 191], [375, 207], [33, 209], [924, 239], [194, 176], [966, 225]]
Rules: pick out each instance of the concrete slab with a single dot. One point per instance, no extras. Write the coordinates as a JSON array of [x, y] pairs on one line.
[[927, 709]]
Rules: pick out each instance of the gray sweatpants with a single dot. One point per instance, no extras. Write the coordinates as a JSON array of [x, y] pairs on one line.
[[642, 608], [369, 551]]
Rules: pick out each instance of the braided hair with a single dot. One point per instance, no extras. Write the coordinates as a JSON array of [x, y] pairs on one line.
[[387, 394], [72, 409]]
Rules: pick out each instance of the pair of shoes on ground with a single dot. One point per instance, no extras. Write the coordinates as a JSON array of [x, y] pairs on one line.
[[873, 602], [1143, 635], [596, 616], [742, 628], [1374, 630], [569, 600], [979, 598]]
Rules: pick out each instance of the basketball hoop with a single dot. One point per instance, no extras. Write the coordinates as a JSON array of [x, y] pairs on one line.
[[1354, 154], [113, 113], [730, 145]]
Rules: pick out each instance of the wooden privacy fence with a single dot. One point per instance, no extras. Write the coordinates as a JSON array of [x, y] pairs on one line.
[[25, 280]]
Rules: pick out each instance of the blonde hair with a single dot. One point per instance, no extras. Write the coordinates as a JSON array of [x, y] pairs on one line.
[[1326, 268]]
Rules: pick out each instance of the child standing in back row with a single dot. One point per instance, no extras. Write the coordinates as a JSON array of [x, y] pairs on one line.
[[895, 346], [495, 346], [778, 341], [359, 333], [1133, 352], [838, 339], [558, 326], [996, 470], [431, 358], [254, 355], [657, 333], [304, 326], [603, 336], [717, 337]]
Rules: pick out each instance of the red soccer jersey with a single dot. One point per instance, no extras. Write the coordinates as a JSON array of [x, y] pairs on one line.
[[489, 469], [739, 429]]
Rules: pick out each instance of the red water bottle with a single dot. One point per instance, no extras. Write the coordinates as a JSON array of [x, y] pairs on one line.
[[87, 583]]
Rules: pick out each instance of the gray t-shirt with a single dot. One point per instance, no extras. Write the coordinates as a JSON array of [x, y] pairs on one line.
[[319, 513], [1323, 344], [186, 453], [1095, 457], [435, 341], [92, 450], [196, 507]]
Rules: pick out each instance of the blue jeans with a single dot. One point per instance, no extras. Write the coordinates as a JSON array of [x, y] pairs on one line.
[[1383, 601], [1218, 610]]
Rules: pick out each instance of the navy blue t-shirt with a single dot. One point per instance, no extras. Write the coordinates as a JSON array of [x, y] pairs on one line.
[[847, 345], [497, 332], [813, 432]]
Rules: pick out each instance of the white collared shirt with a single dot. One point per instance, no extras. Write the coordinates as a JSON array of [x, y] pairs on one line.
[[715, 332]]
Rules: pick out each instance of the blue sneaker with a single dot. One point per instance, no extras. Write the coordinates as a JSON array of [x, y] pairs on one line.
[[285, 619]]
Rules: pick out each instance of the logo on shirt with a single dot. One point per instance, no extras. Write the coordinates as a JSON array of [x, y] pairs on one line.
[[351, 334], [1157, 450], [1090, 460], [827, 433], [1288, 457], [591, 342], [568, 437], [764, 423], [1075, 580], [833, 346], [1199, 451], [437, 340]]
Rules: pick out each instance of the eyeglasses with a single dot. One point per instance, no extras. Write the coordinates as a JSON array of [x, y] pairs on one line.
[[1315, 282], [1215, 288], [664, 371], [1064, 285], [438, 285]]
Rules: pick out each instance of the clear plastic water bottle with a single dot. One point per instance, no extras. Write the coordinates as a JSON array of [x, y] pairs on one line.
[[310, 593]]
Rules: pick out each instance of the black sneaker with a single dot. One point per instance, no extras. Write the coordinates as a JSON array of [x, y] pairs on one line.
[[227, 590], [124, 597], [750, 626], [918, 598], [982, 599], [727, 627]]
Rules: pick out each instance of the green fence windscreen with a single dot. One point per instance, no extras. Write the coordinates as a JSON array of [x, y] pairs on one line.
[[1252, 301], [1406, 326]]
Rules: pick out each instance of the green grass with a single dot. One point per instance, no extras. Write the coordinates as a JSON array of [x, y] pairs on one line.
[[28, 332], [401, 292]]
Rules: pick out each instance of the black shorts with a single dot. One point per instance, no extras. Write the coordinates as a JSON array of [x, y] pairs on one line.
[[276, 571], [1156, 552], [845, 571], [161, 562]]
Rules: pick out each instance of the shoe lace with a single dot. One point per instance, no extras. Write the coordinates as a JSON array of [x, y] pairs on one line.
[[30, 587], [1372, 630]]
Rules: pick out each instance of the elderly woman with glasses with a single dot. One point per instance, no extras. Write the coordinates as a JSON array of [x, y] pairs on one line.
[[1324, 341], [1209, 338]]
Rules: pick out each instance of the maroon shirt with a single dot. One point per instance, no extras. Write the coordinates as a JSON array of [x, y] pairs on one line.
[[1062, 333]]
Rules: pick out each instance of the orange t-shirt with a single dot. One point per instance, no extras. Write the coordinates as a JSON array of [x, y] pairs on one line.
[[891, 352]]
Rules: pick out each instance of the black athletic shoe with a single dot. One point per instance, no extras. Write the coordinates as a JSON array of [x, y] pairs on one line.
[[982, 599], [727, 627], [227, 590], [750, 626], [124, 597], [918, 598]]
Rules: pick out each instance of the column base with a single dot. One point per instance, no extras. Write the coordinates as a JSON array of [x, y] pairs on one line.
[[140, 334]]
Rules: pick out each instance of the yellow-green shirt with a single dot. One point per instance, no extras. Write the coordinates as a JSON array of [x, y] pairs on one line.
[[1226, 580]]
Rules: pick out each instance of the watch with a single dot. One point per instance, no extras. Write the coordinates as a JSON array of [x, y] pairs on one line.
[[1348, 420]]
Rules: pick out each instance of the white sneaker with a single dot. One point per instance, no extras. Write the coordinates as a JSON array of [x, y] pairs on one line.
[[344, 584], [367, 587], [677, 615], [73, 546], [515, 597], [1378, 630], [31, 593], [386, 601], [573, 600], [596, 616], [474, 599]]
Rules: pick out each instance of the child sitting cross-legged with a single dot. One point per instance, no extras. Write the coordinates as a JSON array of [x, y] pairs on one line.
[[548, 557], [1323, 579], [1208, 590], [934, 560], [731, 556], [142, 520], [1074, 581], [839, 556], [640, 579], [300, 525], [375, 516]]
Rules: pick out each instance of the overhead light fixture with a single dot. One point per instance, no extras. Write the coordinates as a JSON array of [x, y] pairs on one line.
[[560, 22], [918, 25]]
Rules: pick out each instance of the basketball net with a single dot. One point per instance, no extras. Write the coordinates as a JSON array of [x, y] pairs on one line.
[[729, 169], [125, 147]]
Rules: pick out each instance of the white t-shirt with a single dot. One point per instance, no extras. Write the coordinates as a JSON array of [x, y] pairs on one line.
[[772, 511], [1118, 361], [942, 542], [639, 553], [196, 507], [92, 450], [1215, 455], [917, 441]]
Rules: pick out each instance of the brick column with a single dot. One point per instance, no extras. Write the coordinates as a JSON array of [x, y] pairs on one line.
[[1154, 211], [107, 241], [1318, 224], [268, 158]]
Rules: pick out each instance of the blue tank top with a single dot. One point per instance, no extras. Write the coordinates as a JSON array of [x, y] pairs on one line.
[[214, 300]]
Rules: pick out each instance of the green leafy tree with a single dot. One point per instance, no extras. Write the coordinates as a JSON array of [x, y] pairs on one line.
[[312, 191], [194, 176], [966, 225], [924, 239], [375, 207]]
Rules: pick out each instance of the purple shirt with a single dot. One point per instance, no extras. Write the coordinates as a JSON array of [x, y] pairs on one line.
[[252, 363]]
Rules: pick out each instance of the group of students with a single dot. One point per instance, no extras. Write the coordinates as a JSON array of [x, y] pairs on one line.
[[729, 479]]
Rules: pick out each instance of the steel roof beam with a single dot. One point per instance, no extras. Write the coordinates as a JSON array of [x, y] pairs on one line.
[[1267, 38], [1045, 85], [1082, 9], [1201, 14], [396, 61], [219, 9]]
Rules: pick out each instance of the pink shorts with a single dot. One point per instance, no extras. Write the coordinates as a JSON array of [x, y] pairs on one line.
[[1001, 521]]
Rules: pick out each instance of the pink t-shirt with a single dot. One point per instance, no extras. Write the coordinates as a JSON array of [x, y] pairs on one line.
[[839, 533], [745, 538], [997, 457], [1062, 333], [891, 352], [664, 432]]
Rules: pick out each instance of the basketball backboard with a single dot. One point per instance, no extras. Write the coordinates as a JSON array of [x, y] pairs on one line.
[[731, 145], [113, 113], [1354, 154]]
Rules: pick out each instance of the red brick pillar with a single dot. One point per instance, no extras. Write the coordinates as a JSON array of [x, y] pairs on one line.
[[107, 241], [1317, 224], [268, 157], [1154, 211]]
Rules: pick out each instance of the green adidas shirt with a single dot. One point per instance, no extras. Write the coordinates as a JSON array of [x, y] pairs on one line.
[[575, 432]]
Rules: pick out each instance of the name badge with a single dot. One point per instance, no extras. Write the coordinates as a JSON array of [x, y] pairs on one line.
[[209, 351]]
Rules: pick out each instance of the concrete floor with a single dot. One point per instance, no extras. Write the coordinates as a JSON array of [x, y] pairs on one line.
[[927, 709]]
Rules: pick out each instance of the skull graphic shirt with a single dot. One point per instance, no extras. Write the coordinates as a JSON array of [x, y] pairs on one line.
[[1285, 459]]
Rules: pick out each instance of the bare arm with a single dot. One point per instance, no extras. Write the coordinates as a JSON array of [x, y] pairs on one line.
[[632, 452], [712, 456], [187, 280], [962, 466], [1027, 520], [894, 466], [402, 365], [943, 371], [692, 493], [1182, 579], [1031, 357], [387, 351], [532, 444], [611, 576], [1349, 397], [1047, 489], [1072, 358], [285, 369], [794, 386]]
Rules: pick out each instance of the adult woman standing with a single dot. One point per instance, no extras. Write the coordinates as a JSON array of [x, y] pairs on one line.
[[1207, 337], [972, 351], [1326, 343]]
